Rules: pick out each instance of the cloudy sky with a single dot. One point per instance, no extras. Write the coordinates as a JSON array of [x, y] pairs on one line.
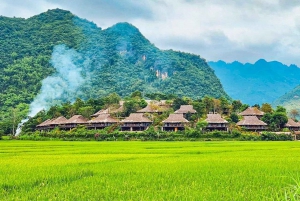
[[215, 29]]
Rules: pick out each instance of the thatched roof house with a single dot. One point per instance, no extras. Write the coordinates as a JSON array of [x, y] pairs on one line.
[[252, 123], [104, 118], [184, 109], [102, 121], [216, 122], [252, 111], [106, 111], [58, 121], [44, 125], [215, 119], [136, 118], [77, 119], [174, 122], [74, 121], [135, 122], [175, 118], [292, 125]]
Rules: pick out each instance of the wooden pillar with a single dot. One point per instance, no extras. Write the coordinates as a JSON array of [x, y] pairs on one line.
[[176, 129]]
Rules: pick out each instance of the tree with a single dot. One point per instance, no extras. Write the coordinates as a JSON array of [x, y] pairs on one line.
[[257, 106], [294, 113], [209, 104], [280, 109], [236, 105], [280, 119], [266, 108], [234, 117], [201, 125], [86, 111]]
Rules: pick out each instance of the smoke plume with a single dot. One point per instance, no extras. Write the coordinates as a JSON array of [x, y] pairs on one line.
[[63, 85]]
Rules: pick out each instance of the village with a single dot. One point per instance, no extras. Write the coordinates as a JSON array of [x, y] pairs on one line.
[[142, 119]]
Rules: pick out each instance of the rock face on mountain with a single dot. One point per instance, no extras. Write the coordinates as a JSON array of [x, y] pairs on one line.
[[260, 82], [118, 59]]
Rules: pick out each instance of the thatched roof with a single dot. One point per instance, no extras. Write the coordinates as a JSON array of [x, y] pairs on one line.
[[120, 109], [136, 117], [251, 121], [45, 123], [77, 119], [292, 123], [185, 109], [100, 112], [215, 118], [103, 118], [175, 118], [153, 107], [58, 121], [252, 111]]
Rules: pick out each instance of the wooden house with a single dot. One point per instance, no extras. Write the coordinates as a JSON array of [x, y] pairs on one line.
[[216, 122], [44, 125], [58, 122], [184, 109], [292, 125], [74, 121], [252, 123], [102, 121], [174, 122], [135, 122], [252, 111]]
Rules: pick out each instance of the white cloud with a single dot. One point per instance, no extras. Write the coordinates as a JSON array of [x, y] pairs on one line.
[[216, 29]]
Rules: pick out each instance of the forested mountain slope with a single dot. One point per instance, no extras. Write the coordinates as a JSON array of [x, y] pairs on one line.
[[290, 100], [118, 59], [260, 82]]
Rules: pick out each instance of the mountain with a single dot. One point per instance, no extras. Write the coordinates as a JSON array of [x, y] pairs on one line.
[[56, 56], [256, 83], [290, 100]]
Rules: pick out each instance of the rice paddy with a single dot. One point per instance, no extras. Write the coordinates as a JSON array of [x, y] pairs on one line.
[[57, 170]]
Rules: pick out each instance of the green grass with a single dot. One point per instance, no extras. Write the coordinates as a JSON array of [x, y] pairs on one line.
[[59, 170]]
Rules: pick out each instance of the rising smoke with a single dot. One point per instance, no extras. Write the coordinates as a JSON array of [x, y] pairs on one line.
[[63, 85]]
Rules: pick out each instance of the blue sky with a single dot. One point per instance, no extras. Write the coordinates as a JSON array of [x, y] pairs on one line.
[[215, 29]]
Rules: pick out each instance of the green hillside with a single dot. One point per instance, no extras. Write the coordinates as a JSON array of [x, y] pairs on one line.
[[290, 100], [74, 53]]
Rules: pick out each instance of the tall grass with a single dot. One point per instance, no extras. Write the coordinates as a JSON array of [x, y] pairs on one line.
[[59, 170]]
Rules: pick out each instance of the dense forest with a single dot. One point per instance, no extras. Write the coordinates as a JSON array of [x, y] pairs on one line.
[[257, 83], [70, 57]]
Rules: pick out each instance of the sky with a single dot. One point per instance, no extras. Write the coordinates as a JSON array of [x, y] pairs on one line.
[[229, 30]]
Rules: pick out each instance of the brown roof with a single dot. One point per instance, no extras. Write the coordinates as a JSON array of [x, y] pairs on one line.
[[215, 118], [136, 117], [175, 118], [103, 118], [100, 112], [45, 123], [185, 109], [58, 121], [153, 107], [251, 121], [252, 111], [76, 119], [292, 123]]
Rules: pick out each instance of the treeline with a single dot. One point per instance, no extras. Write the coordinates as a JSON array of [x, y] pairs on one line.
[[275, 118]]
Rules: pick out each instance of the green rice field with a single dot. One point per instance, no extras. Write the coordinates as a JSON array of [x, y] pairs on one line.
[[57, 170]]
